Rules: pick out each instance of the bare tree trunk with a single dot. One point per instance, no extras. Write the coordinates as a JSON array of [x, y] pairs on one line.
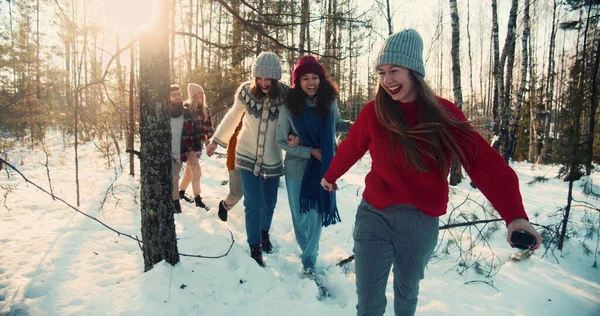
[[576, 137], [196, 63], [524, 62], [158, 224], [533, 122], [131, 133], [593, 108], [472, 89], [172, 26], [190, 28], [388, 17], [237, 54], [76, 98], [547, 118], [497, 71], [37, 63], [508, 55], [304, 26], [455, 174]]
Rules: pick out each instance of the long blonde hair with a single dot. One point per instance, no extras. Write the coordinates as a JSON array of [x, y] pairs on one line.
[[197, 106], [435, 127]]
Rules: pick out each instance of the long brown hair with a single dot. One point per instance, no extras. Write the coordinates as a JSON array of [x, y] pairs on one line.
[[435, 127], [257, 92]]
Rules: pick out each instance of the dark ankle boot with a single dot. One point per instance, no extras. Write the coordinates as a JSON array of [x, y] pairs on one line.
[[182, 196], [176, 207], [256, 254], [222, 211], [199, 202], [266, 242]]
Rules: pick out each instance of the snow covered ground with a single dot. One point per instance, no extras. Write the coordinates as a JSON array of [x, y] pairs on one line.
[[55, 261]]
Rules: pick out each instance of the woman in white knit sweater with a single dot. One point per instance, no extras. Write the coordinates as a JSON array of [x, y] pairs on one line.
[[258, 158]]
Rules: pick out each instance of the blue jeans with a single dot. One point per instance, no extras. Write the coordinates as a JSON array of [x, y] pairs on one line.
[[400, 236], [307, 226], [260, 198]]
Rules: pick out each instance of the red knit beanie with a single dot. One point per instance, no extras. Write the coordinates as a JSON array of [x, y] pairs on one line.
[[307, 64]]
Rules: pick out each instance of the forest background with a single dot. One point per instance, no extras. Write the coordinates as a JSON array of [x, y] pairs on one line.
[[526, 72]]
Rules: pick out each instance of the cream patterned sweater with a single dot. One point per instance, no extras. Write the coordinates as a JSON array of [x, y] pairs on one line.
[[256, 149]]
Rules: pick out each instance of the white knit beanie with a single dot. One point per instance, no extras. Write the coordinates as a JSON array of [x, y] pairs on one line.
[[268, 66], [194, 89]]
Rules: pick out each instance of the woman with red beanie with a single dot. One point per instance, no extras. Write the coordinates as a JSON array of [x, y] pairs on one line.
[[410, 134], [310, 113]]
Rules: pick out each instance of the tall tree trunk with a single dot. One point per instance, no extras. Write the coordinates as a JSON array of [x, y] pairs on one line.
[[76, 98], [472, 89], [524, 62], [158, 224], [304, 26], [197, 24], [501, 132], [455, 174], [576, 138], [533, 109], [237, 54], [388, 17], [547, 118], [497, 71], [131, 133], [509, 53], [191, 30], [172, 26], [593, 108], [37, 63]]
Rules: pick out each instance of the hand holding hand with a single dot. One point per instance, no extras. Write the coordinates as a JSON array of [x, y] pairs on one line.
[[293, 140], [316, 153], [210, 149], [521, 224], [328, 186]]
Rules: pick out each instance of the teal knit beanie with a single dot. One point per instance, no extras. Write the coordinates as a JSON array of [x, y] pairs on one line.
[[403, 49]]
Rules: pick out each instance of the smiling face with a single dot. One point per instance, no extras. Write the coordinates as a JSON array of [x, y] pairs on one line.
[[310, 84], [397, 82], [264, 84], [175, 97]]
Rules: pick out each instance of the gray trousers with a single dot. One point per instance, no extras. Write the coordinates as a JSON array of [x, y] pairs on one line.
[[399, 235]]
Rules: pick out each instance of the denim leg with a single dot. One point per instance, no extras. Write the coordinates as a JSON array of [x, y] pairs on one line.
[[269, 188], [307, 226], [373, 254], [312, 224], [252, 201], [293, 191]]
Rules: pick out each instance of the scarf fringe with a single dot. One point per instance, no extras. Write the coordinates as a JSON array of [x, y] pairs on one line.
[[311, 203], [307, 204]]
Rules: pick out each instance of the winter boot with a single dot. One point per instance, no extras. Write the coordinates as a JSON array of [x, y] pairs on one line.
[[185, 197], [199, 202], [256, 254], [176, 207], [266, 242], [222, 211]]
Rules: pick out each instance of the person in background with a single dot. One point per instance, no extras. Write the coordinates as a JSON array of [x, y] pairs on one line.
[[235, 182], [411, 134], [185, 140], [257, 156], [196, 104], [311, 114]]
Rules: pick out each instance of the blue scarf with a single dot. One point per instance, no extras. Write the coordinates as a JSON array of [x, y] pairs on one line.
[[316, 131]]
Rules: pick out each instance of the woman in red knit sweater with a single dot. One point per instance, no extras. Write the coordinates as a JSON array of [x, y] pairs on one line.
[[411, 134]]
